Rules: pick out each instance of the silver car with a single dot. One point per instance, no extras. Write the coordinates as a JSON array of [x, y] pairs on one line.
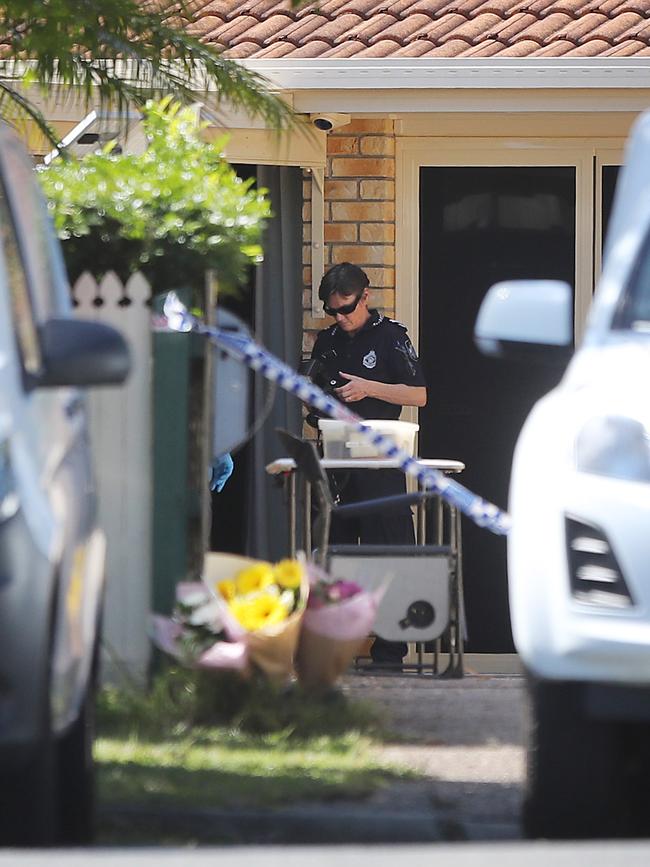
[[51, 552]]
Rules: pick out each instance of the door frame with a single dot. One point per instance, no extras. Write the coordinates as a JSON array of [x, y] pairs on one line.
[[412, 153], [603, 156]]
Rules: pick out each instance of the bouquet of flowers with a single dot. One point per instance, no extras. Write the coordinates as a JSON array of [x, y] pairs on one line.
[[339, 616], [261, 605], [196, 634]]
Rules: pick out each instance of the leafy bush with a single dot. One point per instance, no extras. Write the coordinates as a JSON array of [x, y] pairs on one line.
[[172, 212]]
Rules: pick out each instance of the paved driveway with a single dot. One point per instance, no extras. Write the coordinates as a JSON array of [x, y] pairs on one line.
[[467, 737]]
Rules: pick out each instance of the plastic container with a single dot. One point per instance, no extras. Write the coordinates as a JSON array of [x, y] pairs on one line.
[[342, 440], [335, 435]]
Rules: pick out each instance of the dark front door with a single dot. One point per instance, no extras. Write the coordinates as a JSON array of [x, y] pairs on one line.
[[479, 225]]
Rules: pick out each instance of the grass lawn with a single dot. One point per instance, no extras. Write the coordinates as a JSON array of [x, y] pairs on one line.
[[267, 749], [218, 768]]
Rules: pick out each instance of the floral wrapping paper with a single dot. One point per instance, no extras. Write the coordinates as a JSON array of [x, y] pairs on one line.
[[272, 648], [334, 633]]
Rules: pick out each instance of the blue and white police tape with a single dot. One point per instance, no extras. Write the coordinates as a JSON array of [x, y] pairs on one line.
[[483, 513]]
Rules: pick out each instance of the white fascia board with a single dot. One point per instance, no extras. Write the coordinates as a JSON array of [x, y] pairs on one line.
[[393, 73], [400, 103]]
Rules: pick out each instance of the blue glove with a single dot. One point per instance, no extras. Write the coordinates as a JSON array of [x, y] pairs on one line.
[[221, 471]]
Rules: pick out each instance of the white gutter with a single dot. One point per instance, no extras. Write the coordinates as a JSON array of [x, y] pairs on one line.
[[415, 74], [394, 74]]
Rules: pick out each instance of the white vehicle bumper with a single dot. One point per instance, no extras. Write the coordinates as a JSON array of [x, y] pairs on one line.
[[558, 636]]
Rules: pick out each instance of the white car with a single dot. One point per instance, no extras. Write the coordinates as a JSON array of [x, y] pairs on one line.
[[579, 548], [51, 552]]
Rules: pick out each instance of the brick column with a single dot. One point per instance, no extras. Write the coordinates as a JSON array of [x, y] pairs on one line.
[[359, 211]]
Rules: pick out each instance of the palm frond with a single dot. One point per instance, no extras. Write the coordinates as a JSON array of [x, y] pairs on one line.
[[85, 46], [15, 109]]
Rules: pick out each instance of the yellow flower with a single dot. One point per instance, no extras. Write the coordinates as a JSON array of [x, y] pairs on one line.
[[288, 573], [254, 579], [256, 612], [227, 588]]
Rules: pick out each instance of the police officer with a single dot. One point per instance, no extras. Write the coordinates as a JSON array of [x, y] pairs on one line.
[[375, 371]]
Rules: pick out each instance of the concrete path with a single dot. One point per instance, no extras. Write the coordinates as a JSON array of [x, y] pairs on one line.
[[466, 736]]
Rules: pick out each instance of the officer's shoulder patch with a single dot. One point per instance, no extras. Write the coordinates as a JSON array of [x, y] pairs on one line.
[[397, 323]]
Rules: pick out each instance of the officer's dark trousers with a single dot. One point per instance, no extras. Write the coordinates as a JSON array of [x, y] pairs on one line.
[[382, 528]]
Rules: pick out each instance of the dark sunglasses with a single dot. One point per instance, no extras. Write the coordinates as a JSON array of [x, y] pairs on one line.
[[346, 309]]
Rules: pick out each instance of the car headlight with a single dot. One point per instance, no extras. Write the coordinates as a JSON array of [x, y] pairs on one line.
[[615, 446]]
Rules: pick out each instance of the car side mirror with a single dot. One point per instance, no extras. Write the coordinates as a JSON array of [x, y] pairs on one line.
[[79, 352], [526, 319]]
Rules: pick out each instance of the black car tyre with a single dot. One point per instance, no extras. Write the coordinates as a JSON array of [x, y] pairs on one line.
[[575, 784], [77, 776], [28, 812]]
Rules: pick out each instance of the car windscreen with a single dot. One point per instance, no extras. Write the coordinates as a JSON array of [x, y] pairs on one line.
[[633, 312]]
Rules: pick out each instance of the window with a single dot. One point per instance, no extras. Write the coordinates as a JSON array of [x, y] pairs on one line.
[[21, 305]]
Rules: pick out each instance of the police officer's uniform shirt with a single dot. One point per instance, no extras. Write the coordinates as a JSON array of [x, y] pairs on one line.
[[381, 351]]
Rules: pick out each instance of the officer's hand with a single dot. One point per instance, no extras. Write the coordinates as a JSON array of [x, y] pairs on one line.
[[355, 389]]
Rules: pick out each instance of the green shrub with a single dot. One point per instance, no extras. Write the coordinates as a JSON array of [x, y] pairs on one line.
[[173, 212]]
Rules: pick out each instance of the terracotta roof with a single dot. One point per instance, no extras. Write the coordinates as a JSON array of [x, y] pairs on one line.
[[426, 28]]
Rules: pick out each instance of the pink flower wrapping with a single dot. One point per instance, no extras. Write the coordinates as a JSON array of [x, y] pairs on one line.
[[345, 620], [333, 632], [167, 635]]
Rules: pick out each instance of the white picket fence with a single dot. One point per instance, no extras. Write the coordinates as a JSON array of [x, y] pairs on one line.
[[122, 436]]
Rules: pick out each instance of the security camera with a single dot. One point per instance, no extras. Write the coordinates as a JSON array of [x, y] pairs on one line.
[[329, 121]]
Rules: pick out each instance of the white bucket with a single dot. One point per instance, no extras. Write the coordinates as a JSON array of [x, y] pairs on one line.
[[342, 440]]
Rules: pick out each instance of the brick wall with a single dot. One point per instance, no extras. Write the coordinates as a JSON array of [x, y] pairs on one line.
[[359, 212]]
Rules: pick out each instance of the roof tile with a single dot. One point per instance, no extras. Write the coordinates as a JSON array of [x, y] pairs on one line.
[[202, 27], [627, 26], [584, 27], [328, 31], [630, 48], [298, 32], [262, 8], [436, 29], [365, 30], [243, 50], [417, 48], [641, 30], [506, 31], [327, 8], [522, 48], [345, 49], [275, 51], [558, 48], [262, 31], [473, 31], [365, 8], [315, 48], [503, 8], [589, 48], [430, 8], [547, 29], [383, 48], [618, 7], [487, 48], [453, 48], [225, 32], [425, 28]]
